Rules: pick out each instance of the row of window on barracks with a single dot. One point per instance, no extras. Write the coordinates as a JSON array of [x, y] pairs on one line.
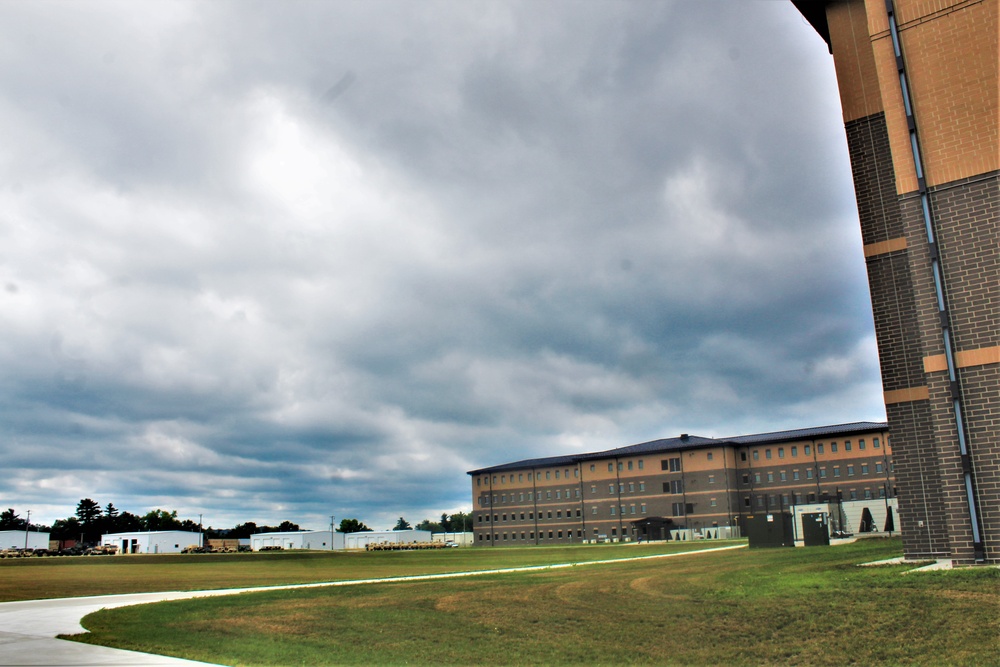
[[705, 488]]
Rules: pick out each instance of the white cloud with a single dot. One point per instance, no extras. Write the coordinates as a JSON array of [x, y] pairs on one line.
[[264, 263]]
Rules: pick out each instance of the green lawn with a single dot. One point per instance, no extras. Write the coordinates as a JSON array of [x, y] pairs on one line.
[[746, 607], [37, 578]]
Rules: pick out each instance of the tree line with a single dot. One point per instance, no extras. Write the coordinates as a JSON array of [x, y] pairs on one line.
[[91, 521]]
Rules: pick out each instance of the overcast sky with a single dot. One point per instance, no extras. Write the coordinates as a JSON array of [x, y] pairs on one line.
[[281, 260]]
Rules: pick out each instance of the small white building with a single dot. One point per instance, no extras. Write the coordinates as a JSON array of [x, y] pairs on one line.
[[20, 539], [321, 540], [152, 542]]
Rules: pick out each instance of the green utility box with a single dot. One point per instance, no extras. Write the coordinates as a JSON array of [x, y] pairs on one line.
[[770, 530], [816, 529]]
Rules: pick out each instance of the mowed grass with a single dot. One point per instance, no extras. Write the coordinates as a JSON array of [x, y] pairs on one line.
[[746, 607], [40, 578]]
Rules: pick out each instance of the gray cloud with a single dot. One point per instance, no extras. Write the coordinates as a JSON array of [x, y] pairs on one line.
[[270, 262]]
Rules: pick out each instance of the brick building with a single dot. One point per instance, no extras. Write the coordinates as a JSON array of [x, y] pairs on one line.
[[688, 482], [918, 87]]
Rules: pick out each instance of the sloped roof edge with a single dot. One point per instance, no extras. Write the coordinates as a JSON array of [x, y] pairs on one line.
[[686, 442]]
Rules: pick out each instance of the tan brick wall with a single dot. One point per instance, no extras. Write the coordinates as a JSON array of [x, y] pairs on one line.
[[854, 61], [951, 53]]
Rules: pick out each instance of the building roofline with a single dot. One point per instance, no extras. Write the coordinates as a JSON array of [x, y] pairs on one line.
[[815, 432], [687, 442]]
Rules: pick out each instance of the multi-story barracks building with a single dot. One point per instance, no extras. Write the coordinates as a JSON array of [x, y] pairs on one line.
[[918, 84], [698, 486]]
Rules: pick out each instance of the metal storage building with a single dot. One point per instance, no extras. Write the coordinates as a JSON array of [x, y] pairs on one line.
[[303, 539], [152, 542], [321, 539], [362, 540], [20, 539]]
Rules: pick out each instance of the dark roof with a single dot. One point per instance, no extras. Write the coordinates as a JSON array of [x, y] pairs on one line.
[[816, 432], [528, 463], [663, 445], [686, 442]]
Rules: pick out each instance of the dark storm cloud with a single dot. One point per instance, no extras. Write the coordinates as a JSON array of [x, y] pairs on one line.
[[268, 262]]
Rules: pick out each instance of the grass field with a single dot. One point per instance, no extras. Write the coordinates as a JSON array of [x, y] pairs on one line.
[[746, 607], [39, 578]]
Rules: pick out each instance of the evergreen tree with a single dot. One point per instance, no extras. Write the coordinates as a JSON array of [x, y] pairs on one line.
[[9, 520]]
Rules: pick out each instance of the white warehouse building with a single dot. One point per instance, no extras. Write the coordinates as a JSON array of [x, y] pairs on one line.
[[322, 539], [363, 539], [302, 539], [21, 539], [152, 542]]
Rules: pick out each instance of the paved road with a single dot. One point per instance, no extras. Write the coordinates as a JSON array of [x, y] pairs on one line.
[[28, 629]]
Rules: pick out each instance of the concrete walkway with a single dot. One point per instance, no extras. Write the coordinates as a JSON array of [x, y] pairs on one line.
[[28, 629]]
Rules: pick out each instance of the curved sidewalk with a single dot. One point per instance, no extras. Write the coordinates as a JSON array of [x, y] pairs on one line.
[[28, 629]]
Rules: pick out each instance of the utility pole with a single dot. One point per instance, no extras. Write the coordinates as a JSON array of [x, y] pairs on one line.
[[332, 517], [27, 525]]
